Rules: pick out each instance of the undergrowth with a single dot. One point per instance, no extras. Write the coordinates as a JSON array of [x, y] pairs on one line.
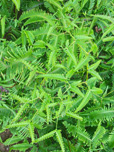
[[57, 75]]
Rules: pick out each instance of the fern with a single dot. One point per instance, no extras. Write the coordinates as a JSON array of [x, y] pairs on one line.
[[84, 101], [25, 123], [98, 135], [74, 116], [102, 115], [59, 137], [22, 108], [31, 130], [84, 136], [56, 71], [39, 14], [110, 140], [48, 135]]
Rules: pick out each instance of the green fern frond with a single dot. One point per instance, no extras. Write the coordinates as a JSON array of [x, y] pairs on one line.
[[74, 116], [84, 101], [20, 124], [49, 7], [48, 114], [70, 128], [77, 132], [60, 140], [111, 139], [83, 136], [53, 76], [20, 99], [46, 136], [102, 115], [29, 66], [40, 14], [55, 3], [91, 5], [31, 130], [98, 135], [22, 108]]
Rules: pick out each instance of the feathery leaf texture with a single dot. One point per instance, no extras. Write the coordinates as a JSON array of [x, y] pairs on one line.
[[46, 136], [60, 140], [40, 14], [100, 131]]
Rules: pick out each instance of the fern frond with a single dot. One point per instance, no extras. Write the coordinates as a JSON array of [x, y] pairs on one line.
[[20, 124], [111, 139], [49, 7], [20, 99], [102, 115], [48, 114], [40, 14], [46, 136], [83, 136], [53, 76], [22, 108], [84, 101], [60, 140], [55, 3], [98, 135], [91, 5], [77, 132], [74, 116], [31, 130]]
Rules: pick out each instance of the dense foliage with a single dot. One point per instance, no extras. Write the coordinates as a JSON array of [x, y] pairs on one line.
[[57, 75]]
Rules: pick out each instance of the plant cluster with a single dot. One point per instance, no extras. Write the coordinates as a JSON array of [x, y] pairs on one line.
[[57, 75]]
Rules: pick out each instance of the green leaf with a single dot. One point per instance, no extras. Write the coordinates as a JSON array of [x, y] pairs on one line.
[[74, 116], [12, 140], [110, 38], [46, 136], [98, 135], [30, 37], [83, 136], [96, 90], [82, 62], [111, 139], [94, 66], [95, 74], [3, 26], [31, 130], [22, 108], [40, 14], [21, 147], [72, 56], [77, 91], [20, 124], [108, 30], [83, 37], [60, 140], [80, 65], [53, 76], [105, 17], [17, 4], [84, 101]]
